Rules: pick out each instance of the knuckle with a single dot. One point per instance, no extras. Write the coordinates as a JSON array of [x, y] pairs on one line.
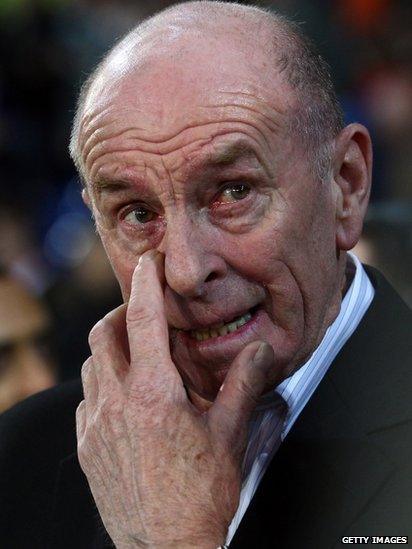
[[85, 371], [110, 410], [113, 315], [111, 405], [100, 332], [109, 421], [80, 411], [148, 394], [246, 391], [143, 393], [137, 314], [84, 453], [97, 333]]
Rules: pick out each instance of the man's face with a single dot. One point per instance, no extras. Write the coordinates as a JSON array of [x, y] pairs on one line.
[[194, 158]]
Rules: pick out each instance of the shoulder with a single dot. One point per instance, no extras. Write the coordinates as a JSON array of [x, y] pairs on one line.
[[369, 382], [383, 335], [35, 436], [377, 357], [388, 311], [46, 419]]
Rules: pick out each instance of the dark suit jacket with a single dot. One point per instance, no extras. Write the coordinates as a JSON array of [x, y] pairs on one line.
[[344, 469]]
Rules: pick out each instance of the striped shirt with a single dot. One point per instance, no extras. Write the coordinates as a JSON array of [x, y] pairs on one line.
[[273, 420]]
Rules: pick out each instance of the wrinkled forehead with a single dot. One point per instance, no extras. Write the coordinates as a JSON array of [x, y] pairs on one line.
[[174, 78]]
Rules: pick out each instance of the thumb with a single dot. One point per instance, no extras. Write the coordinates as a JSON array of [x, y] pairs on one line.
[[245, 383]]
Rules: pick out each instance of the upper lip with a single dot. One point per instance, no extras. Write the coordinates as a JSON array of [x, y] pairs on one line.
[[210, 324]]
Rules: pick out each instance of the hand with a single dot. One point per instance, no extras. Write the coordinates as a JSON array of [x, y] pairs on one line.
[[162, 473]]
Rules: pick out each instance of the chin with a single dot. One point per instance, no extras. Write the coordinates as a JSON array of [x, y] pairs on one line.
[[204, 364], [204, 382]]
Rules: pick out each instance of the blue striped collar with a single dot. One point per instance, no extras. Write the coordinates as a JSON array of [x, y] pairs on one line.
[[271, 422], [297, 389]]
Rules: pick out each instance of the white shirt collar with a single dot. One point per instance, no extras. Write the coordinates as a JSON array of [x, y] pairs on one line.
[[270, 425], [297, 389]]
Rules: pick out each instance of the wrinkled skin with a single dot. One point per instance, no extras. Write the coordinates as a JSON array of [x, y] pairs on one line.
[[168, 141], [163, 474]]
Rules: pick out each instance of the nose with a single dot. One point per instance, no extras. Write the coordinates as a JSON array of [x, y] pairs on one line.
[[191, 261]]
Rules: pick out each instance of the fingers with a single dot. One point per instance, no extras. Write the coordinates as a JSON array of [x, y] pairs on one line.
[[245, 383], [146, 320], [109, 347], [80, 421], [117, 319], [132, 342], [90, 385]]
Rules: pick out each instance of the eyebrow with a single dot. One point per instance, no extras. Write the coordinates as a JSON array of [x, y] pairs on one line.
[[104, 184], [227, 155], [231, 153]]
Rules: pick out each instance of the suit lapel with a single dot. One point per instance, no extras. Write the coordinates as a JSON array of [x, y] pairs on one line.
[[317, 484], [331, 465], [328, 469]]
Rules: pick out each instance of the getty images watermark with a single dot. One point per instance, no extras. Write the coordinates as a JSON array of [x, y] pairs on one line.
[[375, 539]]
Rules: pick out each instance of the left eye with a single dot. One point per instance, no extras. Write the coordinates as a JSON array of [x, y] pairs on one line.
[[234, 193], [140, 214]]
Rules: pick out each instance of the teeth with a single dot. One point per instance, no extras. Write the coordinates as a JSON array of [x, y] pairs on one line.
[[220, 329], [241, 322], [223, 330], [232, 327]]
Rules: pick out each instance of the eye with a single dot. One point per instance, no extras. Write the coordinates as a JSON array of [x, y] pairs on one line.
[[233, 193], [140, 214]]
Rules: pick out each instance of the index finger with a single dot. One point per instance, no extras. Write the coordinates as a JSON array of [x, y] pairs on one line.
[[147, 327]]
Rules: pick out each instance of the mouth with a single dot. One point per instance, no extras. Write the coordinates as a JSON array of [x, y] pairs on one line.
[[223, 329]]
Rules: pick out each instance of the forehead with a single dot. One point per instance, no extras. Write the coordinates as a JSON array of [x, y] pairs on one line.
[[186, 83], [179, 51]]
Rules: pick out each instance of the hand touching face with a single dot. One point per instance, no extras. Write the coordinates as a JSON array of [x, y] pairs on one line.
[[192, 174], [162, 472], [205, 170]]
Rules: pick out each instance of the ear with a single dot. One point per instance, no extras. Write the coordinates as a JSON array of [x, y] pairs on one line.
[[86, 197], [352, 180]]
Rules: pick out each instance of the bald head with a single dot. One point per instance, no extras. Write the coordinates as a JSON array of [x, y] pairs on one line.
[[265, 45]]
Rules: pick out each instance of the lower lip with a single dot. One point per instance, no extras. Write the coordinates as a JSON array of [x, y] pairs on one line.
[[240, 334]]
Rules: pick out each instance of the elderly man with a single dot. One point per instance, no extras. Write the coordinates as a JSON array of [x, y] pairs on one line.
[[253, 390]]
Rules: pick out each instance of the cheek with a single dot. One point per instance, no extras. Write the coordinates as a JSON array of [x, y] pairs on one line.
[[270, 260], [256, 254], [299, 236], [122, 258]]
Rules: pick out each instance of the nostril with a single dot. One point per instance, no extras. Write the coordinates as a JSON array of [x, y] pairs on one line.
[[212, 276]]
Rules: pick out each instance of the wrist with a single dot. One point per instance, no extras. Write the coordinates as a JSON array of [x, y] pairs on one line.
[[206, 538], [189, 545], [171, 545]]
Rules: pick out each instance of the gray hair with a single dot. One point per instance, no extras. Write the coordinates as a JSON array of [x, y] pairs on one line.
[[317, 118]]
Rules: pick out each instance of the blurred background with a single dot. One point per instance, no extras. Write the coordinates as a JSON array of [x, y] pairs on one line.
[[48, 247]]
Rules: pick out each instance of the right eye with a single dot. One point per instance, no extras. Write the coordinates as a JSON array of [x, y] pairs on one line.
[[139, 215]]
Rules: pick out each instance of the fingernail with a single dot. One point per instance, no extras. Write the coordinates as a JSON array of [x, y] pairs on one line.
[[263, 353]]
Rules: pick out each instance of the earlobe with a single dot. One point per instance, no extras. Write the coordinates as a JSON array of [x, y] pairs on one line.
[[352, 178], [86, 198]]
